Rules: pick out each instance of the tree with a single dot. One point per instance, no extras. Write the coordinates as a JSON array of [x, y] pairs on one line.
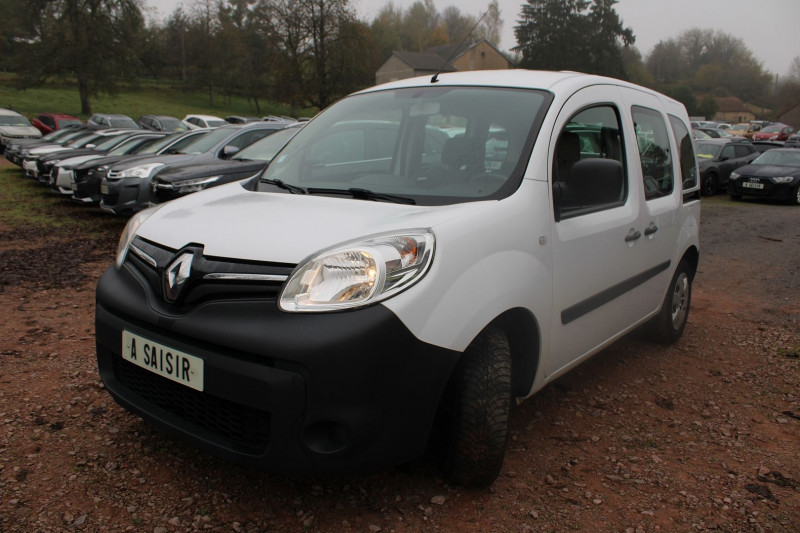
[[572, 35], [96, 41], [685, 95], [708, 107]]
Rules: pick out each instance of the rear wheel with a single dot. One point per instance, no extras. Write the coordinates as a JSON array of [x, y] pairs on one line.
[[796, 196], [667, 327], [478, 403], [709, 185]]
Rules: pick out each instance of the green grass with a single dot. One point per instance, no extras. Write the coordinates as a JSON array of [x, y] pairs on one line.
[[149, 97], [28, 204]]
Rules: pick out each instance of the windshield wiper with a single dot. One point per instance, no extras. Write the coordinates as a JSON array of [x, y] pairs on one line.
[[283, 185], [364, 194]]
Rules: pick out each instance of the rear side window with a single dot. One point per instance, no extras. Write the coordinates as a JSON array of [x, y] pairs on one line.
[[688, 163], [653, 142], [743, 150], [591, 134]]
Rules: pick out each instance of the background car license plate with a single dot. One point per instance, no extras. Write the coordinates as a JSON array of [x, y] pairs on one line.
[[104, 189], [167, 362], [750, 185]]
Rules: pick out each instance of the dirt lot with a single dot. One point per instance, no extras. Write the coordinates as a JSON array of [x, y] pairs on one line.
[[704, 435]]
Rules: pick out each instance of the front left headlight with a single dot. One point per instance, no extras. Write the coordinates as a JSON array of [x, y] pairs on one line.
[[194, 185], [144, 171], [359, 273], [735, 176]]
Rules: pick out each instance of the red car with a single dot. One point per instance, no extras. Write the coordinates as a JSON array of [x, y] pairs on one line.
[[775, 132], [47, 122]]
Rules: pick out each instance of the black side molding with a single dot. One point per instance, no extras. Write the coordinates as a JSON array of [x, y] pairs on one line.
[[576, 311]]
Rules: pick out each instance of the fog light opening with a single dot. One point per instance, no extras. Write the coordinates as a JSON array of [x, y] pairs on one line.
[[326, 437]]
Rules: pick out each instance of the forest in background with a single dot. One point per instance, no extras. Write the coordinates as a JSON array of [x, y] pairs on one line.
[[308, 53]]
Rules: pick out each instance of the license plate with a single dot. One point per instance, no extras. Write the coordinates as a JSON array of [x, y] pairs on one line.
[[160, 359], [73, 186], [750, 185], [104, 189]]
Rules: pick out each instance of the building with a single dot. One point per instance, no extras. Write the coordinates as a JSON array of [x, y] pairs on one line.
[[479, 55], [790, 116], [731, 109]]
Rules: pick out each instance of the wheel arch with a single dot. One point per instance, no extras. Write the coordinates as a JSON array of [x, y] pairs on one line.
[[692, 258], [524, 338]]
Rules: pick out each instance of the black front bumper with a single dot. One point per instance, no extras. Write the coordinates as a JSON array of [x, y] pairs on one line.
[[770, 190], [299, 393], [125, 196]]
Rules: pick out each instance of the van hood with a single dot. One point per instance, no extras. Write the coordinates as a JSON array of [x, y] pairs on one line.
[[232, 222]]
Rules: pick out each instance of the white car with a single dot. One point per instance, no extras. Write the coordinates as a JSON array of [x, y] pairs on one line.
[[195, 122], [15, 126], [383, 285]]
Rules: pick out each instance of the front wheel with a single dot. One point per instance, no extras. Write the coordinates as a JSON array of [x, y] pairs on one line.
[[709, 185], [478, 404], [667, 327]]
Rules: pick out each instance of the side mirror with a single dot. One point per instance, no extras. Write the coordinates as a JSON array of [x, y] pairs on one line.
[[90, 145], [592, 182], [229, 151], [724, 158]]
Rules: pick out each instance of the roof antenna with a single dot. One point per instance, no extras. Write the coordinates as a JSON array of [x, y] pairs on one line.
[[435, 77]]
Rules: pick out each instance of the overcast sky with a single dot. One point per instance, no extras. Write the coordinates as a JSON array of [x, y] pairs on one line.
[[769, 28]]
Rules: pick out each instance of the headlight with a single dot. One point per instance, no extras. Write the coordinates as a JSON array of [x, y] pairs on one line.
[[735, 176], [782, 179], [194, 185], [130, 232], [359, 273], [143, 171]]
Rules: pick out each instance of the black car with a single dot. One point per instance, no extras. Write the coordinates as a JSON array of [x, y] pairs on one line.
[[161, 123], [126, 187], [112, 120], [181, 180], [793, 141], [717, 158], [87, 176], [775, 174]]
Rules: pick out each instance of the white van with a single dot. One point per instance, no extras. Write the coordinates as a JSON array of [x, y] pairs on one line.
[[418, 257]]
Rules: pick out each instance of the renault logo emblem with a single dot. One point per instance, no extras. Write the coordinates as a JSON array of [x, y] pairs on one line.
[[176, 274]]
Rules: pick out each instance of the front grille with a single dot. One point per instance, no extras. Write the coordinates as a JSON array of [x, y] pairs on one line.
[[243, 428]]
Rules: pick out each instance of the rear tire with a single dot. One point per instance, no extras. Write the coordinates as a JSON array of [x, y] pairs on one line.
[[667, 327], [709, 185], [478, 403], [796, 197]]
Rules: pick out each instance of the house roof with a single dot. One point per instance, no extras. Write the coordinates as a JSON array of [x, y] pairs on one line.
[[730, 104], [425, 61]]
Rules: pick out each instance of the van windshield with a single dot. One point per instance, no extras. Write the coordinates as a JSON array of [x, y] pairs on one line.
[[435, 145]]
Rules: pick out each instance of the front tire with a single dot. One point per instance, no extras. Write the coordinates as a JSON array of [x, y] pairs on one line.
[[667, 327], [479, 400], [709, 185]]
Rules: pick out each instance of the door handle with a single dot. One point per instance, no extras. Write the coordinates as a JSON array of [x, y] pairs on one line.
[[633, 235], [651, 229]]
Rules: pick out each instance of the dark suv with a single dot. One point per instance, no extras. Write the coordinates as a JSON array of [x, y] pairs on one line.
[[717, 158]]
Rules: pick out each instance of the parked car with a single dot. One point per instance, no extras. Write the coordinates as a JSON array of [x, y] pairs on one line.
[[106, 120], [746, 130], [14, 147], [126, 188], [61, 173], [104, 140], [717, 158], [328, 314], [15, 126], [700, 134], [719, 133], [235, 119], [793, 141], [775, 132], [88, 176], [30, 155], [775, 174], [161, 123], [182, 179], [49, 122], [194, 122]]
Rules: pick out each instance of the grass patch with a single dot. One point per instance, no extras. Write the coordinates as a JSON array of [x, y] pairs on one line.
[[148, 97], [28, 204]]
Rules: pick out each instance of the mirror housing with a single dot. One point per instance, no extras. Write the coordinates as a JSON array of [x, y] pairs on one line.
[[229, 151]]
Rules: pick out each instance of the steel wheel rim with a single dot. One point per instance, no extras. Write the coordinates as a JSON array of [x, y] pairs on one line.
[[680, 297]]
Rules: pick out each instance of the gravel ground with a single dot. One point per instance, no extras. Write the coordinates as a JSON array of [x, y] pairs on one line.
[[702, 435]]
